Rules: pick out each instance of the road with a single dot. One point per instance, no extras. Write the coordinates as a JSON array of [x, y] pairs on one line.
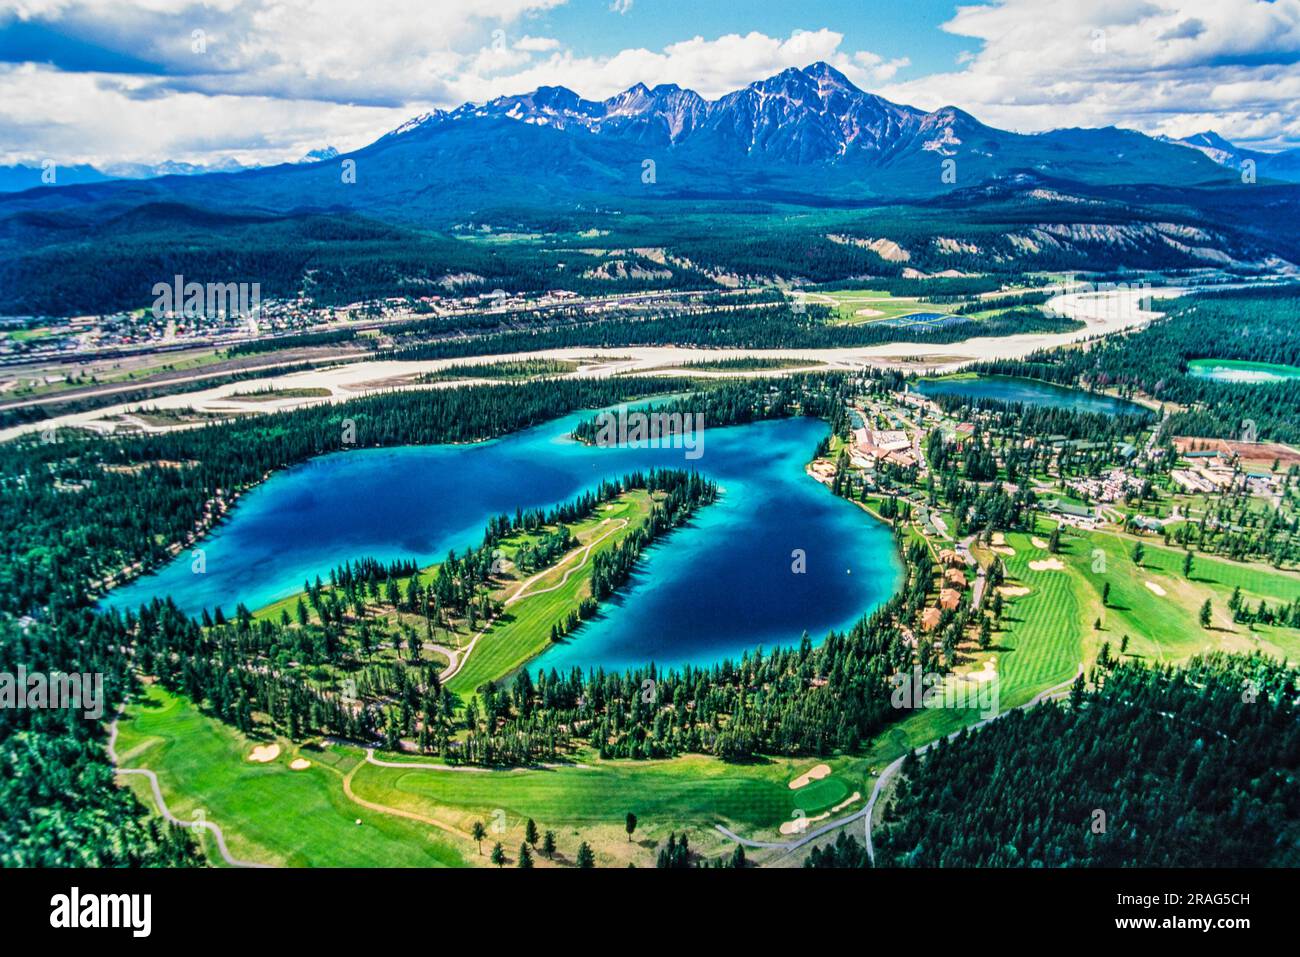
[[866, 812], [893, 768], [981, 579]]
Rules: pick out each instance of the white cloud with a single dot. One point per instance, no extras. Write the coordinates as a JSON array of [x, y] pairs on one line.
[[97, 118], [278, 77], [1174, 66], [710, 67], [275, 81]]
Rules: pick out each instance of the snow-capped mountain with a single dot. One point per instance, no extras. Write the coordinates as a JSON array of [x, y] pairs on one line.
[[1281, 165], [802, 116], [803, 135], [776, 128], [319, 155]]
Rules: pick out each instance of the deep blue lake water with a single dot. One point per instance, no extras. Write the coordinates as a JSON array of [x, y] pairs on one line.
[[714, 589], [1028, 391]]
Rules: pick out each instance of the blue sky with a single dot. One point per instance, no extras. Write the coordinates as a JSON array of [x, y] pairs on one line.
[[909, 28], [258, 81]]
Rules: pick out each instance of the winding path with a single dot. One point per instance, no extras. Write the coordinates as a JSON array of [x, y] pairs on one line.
[[396, 812], [457, 658], [893, 768], [166, 811], [879, 787]]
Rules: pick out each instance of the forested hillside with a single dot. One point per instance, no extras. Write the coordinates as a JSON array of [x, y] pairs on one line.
[[1261, 325], [1194, 766]]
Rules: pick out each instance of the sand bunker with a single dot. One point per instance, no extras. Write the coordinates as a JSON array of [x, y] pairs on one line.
[[800, 824], [1156, 589], [855, 796], [1038, 543], [999, 538], [1004, 549], [1012, 591], [1048, 565], [815, 774], [264, 753], [299, 764]]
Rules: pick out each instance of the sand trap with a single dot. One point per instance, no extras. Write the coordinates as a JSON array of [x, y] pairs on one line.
[[800, 824], [999, 538], [1038, 543], [1004, 549], [1012, 591], [264, 753], [855, 796], [868, 313], [299, 764], [1048, 565], [816, 774], [1156, 589]]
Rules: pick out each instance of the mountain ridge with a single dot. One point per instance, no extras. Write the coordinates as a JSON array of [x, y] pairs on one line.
[[764, 138]]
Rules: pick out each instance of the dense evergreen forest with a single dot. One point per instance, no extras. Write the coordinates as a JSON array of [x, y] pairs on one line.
[[1258, 324], [59, 805], [332, 260], [797, 701], [1160, 766]]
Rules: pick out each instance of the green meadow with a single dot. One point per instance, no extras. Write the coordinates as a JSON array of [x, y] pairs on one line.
[[854, 306], [524, 630], [268, 813], [274, 815]]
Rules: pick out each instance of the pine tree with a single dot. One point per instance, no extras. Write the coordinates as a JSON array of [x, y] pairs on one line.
[[479, 832]]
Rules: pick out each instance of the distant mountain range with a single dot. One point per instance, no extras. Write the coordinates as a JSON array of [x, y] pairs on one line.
[[799, 175], [801, 133], [19, 176], [1284, 165]]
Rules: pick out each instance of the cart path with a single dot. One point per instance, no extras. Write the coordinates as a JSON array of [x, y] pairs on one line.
[[879, 787], [197, 824], [458, 658]]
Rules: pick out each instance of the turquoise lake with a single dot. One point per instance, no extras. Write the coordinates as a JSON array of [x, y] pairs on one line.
[[1027, 391], [1241, 371], [720, 586]]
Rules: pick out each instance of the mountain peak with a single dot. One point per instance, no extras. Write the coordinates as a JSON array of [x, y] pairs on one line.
[[827, 74], [1208, 138]]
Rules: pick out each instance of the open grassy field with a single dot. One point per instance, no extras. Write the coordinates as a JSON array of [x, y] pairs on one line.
[[271, 814], [1166, 626], [1049, 631], [1154, 604], [853, 306]]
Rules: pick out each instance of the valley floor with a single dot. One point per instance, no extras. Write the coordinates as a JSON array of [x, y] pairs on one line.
[[1102, 312]]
